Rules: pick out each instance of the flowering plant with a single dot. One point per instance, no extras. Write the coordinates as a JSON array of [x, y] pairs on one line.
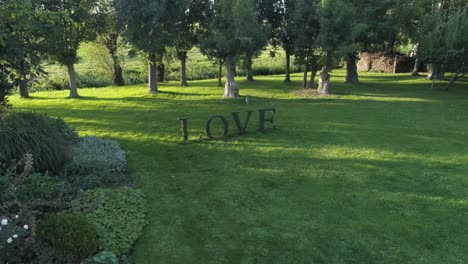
[[13, 231]]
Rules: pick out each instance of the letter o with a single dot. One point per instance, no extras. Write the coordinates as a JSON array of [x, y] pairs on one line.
[[225, 128]]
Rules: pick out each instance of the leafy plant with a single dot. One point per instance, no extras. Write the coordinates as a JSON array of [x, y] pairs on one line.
[[69, 233], [117, 214], [37, 186], [95, 175], [90, 150], [48, 139]]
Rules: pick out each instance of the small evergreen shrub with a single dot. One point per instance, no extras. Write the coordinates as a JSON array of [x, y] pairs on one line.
[[90, 150], [117, 214], [69, 233], [48, 139]]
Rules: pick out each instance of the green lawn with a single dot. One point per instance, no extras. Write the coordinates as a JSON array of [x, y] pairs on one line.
[[377, 173]]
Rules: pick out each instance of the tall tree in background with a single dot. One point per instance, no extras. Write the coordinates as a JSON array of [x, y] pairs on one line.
[[109, 35], [444, 39], [18, 55], [188, 27], [149, 25], [66, 24], [280, 14], [233, 29], [19, 52], [334, 37], [306, 27]]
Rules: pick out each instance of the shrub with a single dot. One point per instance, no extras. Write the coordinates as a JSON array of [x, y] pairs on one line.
[[48, 139], [92, 79], [69, 233], [37, 186], [95, 175], [117, 214], [90, 150]]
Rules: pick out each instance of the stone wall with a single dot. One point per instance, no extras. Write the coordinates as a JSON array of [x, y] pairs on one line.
[[378, 62]]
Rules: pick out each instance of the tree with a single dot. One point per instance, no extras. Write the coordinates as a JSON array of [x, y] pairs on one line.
[[280, 14], [444, 39], [188, 27], [334, 37], [109, 34], [64, 25], [232, 31], [18, 56], [149, 26], [306, 27]]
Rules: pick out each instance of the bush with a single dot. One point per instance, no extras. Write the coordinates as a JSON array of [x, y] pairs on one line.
[[69, 233], [90, 150], [135, 76], [48, 139], [92, 79], [94, 175], [37, 186], [117, 214]]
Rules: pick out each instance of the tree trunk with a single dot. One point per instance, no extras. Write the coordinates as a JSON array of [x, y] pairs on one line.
[[248, 65], [220, 73], [417, 65], [118, 75], [313, 74], [183, 68], [230, 89], [306, 72], [352, 75], [72, 80], [111, 42], [324, 82], [161, 73], [435, 71], [152, 78], [23, 90], [288, 66], [430, 71], [453, 80]]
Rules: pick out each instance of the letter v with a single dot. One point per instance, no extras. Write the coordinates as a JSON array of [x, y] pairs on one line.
[[238, 122]]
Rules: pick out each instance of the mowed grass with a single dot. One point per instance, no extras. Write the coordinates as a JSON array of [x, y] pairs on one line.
[[376, 173]]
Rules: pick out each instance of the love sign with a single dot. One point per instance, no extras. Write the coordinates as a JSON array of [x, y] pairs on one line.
[[266, 116]]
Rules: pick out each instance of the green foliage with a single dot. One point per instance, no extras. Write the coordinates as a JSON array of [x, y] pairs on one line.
[[335, 35], [66, 24], [17, 54], [117, 214], [233, 30], [37, 186], [306, 27], [444, 38], [104, 257], [95, 175], [48, 139], [69, 233], [149, 23], [93, 150]]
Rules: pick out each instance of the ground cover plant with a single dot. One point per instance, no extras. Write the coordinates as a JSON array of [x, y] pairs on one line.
[[375, 172]]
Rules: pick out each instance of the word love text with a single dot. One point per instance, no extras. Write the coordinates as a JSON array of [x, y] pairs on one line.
[[265, 116]]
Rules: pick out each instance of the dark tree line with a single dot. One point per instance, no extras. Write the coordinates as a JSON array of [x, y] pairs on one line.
[[320, 34]]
